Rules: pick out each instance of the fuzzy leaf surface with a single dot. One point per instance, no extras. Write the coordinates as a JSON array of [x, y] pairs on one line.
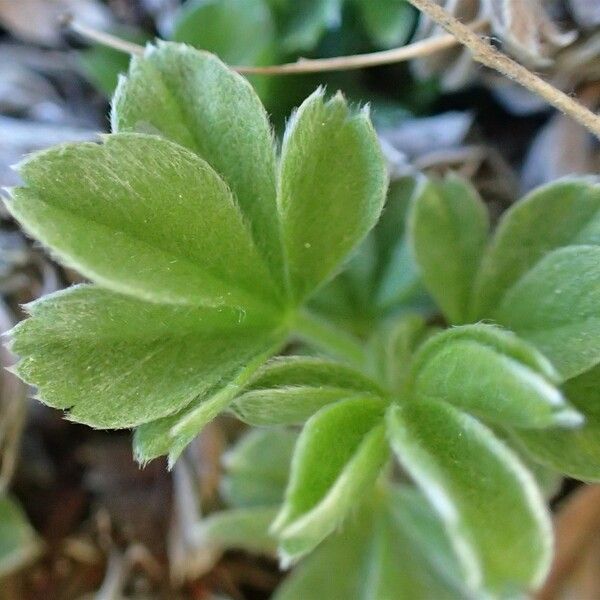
[[320, 493], [380, 554], [555, 307], [112, 361], [575, 453], [560, 214], [492, 373], [257, 468], [288, 390], [146, 217], [449, 228], [486, 498], [331, 190], [192, 98]]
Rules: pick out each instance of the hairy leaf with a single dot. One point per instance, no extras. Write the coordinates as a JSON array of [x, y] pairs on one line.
[[331, 190], [143, 216], [449, 228], [487, 500], [394, 547], [289, 390], [192, 98], [575, 453], [560, 214], [492, 373], [112, 361], [555, 307], [322, 492]]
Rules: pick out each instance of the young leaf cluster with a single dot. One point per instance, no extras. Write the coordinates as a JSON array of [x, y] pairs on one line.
[[209, 248]]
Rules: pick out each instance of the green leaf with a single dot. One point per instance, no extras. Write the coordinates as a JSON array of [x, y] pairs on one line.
[[257, 468], [331, 190], [491, 372], [389, 23], [290, 389], [170, 435], [112, 361], [240, 32], [321, 493], [575, 453], [192, 98], [240, 529], [490, 505], [384, 552], [19, 543], [555, 307], [560, 214], [146, 217], [305, 21], [449, 228]]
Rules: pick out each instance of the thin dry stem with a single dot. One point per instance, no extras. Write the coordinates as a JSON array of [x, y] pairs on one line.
[[487, 55], [339, 63]]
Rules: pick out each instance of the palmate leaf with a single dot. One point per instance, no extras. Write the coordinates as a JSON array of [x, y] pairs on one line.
[[320, 493], [575, 453], [560, 214], [324, 216], [449, 228], [492, 373], [393, 547], [489, 503], [288, 390], [192, 98], [113, 361], [555, 307], [146, 217]]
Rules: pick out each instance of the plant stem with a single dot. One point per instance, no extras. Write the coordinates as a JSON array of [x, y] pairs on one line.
[[338, 63], [487, 55], [327, 337]]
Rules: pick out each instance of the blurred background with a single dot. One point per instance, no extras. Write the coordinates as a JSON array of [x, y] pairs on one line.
[[78, 518]]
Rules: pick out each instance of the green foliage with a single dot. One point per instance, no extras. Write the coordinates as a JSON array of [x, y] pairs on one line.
[[210, 252], [320, 494], [485, 497], [323, 217], [449, 226]]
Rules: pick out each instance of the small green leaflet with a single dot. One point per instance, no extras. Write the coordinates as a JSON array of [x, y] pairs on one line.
[[555, 307], [389, 23], [351, 435], [449, 228], [288, 390], [494, 374], [486, 498], [143, 216], [324, 216], [257, 468], [192, 98], [112, 361], [575, 453], [393, 547], [560, 214]]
